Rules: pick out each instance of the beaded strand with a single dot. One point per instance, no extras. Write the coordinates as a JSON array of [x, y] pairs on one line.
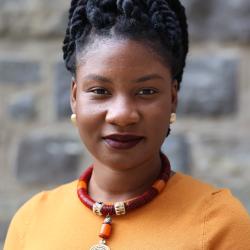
[[120, 208]]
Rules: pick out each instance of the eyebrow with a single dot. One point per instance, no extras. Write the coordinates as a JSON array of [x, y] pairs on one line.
[[107, 80], [97, 78], [149, 77]]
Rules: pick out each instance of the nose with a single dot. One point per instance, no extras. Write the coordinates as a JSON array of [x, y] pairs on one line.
[[122, 112]]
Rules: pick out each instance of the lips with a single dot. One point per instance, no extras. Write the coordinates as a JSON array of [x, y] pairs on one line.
[[122, 141]]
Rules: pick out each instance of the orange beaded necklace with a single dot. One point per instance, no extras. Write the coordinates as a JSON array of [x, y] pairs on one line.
[[122, 207]]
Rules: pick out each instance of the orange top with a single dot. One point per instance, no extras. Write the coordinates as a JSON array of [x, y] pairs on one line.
[[187, 215]]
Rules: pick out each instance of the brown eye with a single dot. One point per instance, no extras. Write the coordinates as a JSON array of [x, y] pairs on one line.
[[100, 91], [147, 91]]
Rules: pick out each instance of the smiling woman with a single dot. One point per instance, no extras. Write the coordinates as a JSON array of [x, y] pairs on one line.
[[117, 96], [127, 60]]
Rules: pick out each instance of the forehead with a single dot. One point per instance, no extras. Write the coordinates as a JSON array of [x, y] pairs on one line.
[[119, 56]]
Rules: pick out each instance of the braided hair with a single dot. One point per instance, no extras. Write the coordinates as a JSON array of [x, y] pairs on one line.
[[160, 24]]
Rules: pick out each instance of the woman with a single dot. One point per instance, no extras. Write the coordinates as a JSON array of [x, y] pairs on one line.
[[127, 59]]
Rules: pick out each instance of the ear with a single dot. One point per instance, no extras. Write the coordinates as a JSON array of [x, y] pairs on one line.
[[174, 96], [73, 95]]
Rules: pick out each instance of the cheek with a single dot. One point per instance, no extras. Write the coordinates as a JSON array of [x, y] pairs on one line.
[[89, 117], [160, 110], [160, 123], [158, 117]]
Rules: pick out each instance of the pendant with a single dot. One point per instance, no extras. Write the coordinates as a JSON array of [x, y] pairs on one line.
[[101, 246], [104, 234]]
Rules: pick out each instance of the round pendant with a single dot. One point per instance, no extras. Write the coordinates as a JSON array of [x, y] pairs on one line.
[[100, 247]]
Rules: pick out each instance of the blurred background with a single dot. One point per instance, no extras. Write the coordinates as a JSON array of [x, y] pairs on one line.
[[40, 149]]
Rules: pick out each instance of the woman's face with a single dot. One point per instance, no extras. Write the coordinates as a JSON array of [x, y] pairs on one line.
[[122, 96]]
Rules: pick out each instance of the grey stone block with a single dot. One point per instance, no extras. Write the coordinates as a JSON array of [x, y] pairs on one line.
[[28, 18], [62, 91], [209, 20], [22, 107], [19, 72], [224, 161], [44, 159], [209, 86], [177, 149], [219, 19], [4, 223]]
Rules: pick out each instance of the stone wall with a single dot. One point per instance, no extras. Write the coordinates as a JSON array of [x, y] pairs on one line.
[[40, 149]]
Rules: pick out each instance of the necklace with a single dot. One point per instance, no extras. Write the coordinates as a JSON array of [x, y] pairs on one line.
[[120, 207]]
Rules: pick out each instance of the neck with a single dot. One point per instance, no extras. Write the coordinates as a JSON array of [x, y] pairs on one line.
[[111, 185]]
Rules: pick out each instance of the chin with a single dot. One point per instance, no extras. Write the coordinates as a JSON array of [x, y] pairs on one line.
[[124, 160]]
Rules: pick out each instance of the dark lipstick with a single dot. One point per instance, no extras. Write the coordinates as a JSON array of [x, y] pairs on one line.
[[122, 141]]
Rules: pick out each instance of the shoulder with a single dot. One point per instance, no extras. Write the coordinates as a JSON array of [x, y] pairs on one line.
[[213, 198], [39, 204], [187, 189], [44, 198], [225, 223], [220, 217]]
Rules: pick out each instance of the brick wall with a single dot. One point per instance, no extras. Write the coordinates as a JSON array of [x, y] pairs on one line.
[[39, 148]]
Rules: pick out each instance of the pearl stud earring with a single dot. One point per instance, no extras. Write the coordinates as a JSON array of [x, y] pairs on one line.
[[173, 118], [73, 119]]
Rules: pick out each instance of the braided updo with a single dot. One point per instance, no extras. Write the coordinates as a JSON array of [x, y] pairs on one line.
[[160, 24]]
